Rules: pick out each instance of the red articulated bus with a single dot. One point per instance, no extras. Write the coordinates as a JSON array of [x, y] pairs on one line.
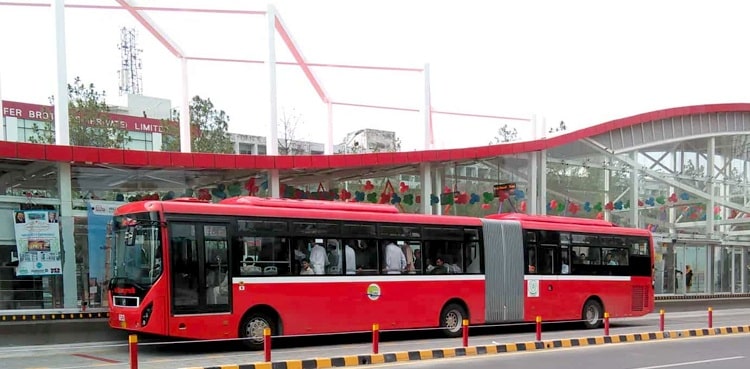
[[186, 268]]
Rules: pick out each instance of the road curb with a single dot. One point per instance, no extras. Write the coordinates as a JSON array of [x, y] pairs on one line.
[[52, 316], [403, 356]]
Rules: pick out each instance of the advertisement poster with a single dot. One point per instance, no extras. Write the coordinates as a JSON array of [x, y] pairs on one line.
[[99, 226], [37, 242]]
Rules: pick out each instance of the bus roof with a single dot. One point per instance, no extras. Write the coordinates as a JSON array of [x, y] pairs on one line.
[[559, 223], [310, 204], [551, 219], [287, 208], [319, 209]]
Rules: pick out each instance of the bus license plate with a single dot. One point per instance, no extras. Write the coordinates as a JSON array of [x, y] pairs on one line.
[[121, 317]]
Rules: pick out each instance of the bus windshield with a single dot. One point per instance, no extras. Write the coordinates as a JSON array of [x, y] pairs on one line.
[[137, 256]]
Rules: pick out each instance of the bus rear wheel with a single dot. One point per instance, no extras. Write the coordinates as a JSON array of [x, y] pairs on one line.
[[451, 319], [592, 314], [252, 327]]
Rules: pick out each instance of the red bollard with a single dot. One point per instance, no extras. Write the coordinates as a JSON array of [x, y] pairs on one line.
[[538, 328], [375, 338], [466, 332], [267, 344], [133, 345], [661, 320], [606, 323], [710, 317]]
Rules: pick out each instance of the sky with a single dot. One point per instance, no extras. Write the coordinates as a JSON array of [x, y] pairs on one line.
[[584, 62]]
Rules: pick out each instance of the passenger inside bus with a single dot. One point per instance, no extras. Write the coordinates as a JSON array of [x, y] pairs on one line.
[[395, 260], [306, 269], [318, 259], [440, 267]]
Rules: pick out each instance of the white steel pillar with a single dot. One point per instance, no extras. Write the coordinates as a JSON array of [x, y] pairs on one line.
[[329, 138], [542, 182], [425, 176], [533, 189], [2, 117], [672, 214], [62, 125], [607, 174], [634, 191], [427, 109], [272, 140], [186, 142], [67, 226], [744, 266], [710, 186], [437, 188], [533, 204]]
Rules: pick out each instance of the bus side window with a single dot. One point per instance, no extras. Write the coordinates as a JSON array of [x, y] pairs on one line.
[[564, 260], [472, 252], [531, 263], [366, 255]]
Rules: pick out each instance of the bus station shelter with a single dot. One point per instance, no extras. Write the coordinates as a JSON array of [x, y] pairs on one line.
[[680, 172]]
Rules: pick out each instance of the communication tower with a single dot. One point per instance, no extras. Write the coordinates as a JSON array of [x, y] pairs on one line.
[[131, 81]]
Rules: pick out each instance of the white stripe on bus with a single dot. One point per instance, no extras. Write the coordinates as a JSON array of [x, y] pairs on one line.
[[363, 278], [417, 278], [619, 278]]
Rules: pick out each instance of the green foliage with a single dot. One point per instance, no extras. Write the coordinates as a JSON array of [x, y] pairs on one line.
[[209, 129], [89, 121], [561, 128], [505, 134]]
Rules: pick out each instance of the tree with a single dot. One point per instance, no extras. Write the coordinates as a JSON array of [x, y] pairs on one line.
[[89, 121], [505, 134], [208, 128], [560, 128], [288, 123]]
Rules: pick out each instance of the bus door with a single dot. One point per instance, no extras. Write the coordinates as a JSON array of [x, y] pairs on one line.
[[200, 275], [547, 269]]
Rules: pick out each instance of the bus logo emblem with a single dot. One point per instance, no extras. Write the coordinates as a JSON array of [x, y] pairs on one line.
[[533, 288], [373, 291]]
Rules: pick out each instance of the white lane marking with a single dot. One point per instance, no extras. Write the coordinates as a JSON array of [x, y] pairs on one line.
[[686, 363], [506, 356]]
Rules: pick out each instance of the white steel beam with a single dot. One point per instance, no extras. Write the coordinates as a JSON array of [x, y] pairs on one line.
[[710, 229], [62, 124], [634, 193], [297, 54], [186, 141], [427, 110], [272, 141], [425, 177], [542, 182], [658, 176], [533, 183]]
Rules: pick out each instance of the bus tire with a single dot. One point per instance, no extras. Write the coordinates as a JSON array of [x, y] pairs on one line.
[[251, 329], [451, 319], [592, 314]]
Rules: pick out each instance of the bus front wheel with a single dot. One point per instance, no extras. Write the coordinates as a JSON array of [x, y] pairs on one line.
[[592, 314], [451, 319], [252, 327]]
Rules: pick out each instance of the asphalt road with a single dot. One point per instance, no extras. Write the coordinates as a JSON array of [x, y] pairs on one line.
[[718, 352], [161, 354], [96, 330]]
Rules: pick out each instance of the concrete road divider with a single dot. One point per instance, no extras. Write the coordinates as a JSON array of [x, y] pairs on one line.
[[394, 357]]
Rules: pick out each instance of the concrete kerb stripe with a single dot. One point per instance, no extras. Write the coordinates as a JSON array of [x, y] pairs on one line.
[[54, 316], [394, 357]]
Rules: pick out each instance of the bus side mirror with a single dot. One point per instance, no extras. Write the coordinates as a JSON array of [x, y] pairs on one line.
[[130, 236]]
